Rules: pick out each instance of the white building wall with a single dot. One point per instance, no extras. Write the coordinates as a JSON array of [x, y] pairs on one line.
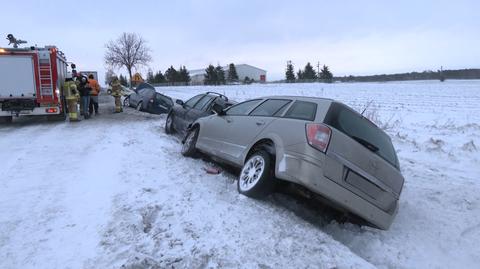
[[244, 70]]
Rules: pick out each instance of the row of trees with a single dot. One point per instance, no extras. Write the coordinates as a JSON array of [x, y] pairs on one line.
[[131, 51], [216, 75], [308, 74], [171, 76]]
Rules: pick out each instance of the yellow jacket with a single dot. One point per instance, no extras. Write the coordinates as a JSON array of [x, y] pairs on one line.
[[116, 88], [70, 90]]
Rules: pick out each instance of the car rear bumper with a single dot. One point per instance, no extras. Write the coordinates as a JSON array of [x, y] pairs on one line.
[[35, 111], [308, 172]]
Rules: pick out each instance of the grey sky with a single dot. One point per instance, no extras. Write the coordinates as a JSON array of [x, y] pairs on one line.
[[352, 37]]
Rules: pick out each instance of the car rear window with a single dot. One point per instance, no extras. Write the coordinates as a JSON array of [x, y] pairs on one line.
[[269, 107], [193, 100], [200, 104], [361, 130], [302, 110]]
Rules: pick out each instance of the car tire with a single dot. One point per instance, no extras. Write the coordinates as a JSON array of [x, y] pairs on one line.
[[139, 106], [169, 124], [256, 179], [126, 101], [189, 145]]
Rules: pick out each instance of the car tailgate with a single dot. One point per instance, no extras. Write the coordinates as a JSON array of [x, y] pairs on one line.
[[349, 162], [361, 156]]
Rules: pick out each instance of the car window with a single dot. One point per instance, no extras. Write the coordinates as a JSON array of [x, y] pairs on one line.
[[243, 108], [142, 91], [269, 107], [302, 110], [282, 110], [193, 100], [362, 130], [164, 100], [200, 105]]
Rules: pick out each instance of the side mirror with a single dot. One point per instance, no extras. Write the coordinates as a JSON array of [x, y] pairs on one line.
[[180, 102], [218, 109]]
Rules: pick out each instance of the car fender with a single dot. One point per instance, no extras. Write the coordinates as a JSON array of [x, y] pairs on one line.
[[278, 147], [191, 126]]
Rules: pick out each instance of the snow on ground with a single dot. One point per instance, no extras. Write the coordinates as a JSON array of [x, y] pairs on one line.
[[115, 192]]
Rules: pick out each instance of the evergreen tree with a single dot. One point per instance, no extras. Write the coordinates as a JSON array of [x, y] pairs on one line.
[[300, 74], [171, 75], [309, 73], [290, 73], [326, 75], [210, 76], [220, 75], [183, 75], [232, 73], [247, 80], [159, 78], [150, 77], [123, 80]]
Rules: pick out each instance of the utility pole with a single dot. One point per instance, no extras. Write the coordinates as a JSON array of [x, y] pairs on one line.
[[318, 69]]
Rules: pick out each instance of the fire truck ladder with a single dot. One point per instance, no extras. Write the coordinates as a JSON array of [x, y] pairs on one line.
[[46, 80]]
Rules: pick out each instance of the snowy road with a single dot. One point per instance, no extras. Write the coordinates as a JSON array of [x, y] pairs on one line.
[[115, 191]]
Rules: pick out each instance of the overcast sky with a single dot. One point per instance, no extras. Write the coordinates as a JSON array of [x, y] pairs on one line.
[[352, 37]]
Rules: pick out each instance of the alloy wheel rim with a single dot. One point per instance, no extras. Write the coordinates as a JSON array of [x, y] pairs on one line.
[[251, 173]]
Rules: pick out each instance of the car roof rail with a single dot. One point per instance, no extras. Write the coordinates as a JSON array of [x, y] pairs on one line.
[[219, 94]]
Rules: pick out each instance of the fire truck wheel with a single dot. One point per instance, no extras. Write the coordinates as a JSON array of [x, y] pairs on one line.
[[7, 119]]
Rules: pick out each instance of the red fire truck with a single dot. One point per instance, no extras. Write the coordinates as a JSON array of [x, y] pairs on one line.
[[31, 80]]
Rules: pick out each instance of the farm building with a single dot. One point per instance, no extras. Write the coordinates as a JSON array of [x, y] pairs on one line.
[[243, 71]]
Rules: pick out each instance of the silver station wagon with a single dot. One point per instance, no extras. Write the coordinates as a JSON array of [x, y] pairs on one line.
[[320, 144]]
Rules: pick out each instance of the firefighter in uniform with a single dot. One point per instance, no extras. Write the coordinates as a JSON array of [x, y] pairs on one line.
[[117, 94], [71, 95]]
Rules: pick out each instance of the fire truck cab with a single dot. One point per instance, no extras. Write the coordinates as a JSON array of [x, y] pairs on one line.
[[31, 81]]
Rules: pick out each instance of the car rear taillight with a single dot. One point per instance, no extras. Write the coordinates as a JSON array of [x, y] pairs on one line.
[[318, 136], [51, 110]]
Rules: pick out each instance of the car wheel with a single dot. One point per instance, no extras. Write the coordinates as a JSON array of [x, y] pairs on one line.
[[256, 178], [169, 124], [188, 148], [139, 106], [126, 101]]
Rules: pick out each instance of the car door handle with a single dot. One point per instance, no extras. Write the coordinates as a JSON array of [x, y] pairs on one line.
[[260, 123]]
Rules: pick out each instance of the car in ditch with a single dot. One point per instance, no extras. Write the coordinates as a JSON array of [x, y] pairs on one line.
[[146, 98], [184, 113], [320, 144]]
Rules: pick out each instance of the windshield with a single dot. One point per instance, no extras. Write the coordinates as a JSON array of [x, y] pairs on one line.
[[361, 130]]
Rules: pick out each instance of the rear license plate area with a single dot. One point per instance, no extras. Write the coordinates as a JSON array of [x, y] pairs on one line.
[[363, 185]]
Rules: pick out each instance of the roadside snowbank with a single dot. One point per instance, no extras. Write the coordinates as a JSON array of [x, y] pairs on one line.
[[115, 191]]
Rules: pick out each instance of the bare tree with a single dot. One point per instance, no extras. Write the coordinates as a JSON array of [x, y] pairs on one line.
[[109, 76], [129, 51]]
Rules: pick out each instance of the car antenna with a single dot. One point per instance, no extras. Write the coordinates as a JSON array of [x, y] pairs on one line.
[[368, 104]]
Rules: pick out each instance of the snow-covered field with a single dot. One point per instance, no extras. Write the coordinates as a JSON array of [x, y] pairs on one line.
[[115, 192]]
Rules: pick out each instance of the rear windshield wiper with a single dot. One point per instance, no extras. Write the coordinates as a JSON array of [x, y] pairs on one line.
[[364, 142]]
